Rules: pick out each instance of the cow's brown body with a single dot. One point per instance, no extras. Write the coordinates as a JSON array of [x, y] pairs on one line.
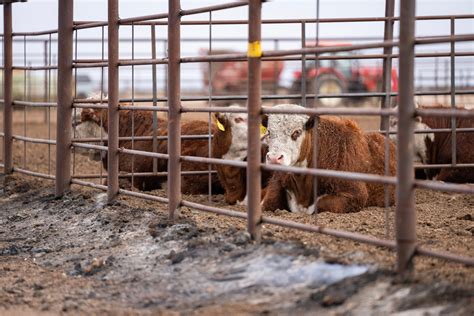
[[341, 146], [142, 122], [438, 151]]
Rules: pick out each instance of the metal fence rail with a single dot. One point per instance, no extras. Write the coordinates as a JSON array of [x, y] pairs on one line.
[[405, 243]]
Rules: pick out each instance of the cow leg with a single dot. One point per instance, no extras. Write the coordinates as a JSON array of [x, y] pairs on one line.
[[352, 199], [275, 195], [455, 175]]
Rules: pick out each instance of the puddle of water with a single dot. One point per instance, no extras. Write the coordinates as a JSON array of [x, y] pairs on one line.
[[284, 272]]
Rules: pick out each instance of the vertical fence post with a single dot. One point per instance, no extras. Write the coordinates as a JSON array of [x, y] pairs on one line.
[[453, 93], [387, 61], [254, 120], [386, 101], [405, 212], [65, 97], [174, 105], [7, 88], [113, 90]]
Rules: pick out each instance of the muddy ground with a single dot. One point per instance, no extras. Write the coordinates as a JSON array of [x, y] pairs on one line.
[[79, 255]]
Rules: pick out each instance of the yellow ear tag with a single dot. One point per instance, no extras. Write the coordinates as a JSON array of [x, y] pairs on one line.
[[220, 126], [263, 130]]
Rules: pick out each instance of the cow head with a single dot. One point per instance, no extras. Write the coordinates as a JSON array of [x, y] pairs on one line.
[[421, 139], [285, 134], [234, 127], [87, 124]]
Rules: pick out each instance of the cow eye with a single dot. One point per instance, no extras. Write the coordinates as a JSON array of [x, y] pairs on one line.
[[296, 134], [238, 120]]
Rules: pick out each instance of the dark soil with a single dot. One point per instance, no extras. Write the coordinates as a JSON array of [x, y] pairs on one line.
[[79, 255]]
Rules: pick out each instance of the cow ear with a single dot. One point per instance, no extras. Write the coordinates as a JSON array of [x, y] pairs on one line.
[[309, 123], [220, 121]]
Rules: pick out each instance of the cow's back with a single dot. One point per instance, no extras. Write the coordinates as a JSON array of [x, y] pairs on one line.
[[439, 150]]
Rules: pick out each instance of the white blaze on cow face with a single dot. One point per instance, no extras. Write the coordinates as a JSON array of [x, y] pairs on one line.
[[238, 128], [285, 134]]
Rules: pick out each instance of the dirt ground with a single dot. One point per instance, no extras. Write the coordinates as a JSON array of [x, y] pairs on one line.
[[79, 255]]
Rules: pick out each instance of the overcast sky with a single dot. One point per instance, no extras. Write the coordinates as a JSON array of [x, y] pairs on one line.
[[42, 14]]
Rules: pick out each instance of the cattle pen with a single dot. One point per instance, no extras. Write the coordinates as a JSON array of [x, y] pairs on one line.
[[173, 105]]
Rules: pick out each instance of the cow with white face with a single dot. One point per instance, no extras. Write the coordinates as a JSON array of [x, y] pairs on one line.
[[436, 148], [232, 134], [285, 134], [420, 138], [341, 146], [230, 143]]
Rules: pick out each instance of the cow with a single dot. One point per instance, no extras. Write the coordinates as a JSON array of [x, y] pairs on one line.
[[341, 145], [230, 143], [435, 148], [143, 126]]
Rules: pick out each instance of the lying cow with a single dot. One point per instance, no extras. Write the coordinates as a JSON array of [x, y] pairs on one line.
[[143, 126], [435, 148], [341, 146], [230, 143]]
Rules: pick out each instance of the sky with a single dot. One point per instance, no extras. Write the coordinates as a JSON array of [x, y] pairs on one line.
[[42, 15]]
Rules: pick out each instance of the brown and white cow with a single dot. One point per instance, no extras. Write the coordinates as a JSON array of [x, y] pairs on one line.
[[435, 148], [342, 145], [230, 143], [143, 126]]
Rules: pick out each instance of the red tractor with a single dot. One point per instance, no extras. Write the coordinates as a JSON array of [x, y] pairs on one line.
[[230, 77], [336, 76]]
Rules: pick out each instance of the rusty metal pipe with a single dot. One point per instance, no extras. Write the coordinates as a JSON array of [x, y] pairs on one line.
[[276, 97], [32, 68], [89, 184], [34, 174], [144, 196], [453, 96], [90, 146], [215, 210], [65, 97], [113, 101], [405, 215], [174, 105], [143, 18], [331, 232], [34, 140], [143, 153], [89, 25], [215, 7], [90, 63], [35, 104], [254, 53], [321, 20], [7, 89], [445, 112], [443, 186], [40, 33], [387, 61], [141, 174], [143, 138]]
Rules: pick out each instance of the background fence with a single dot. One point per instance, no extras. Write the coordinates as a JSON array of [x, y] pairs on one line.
[[56, 85]]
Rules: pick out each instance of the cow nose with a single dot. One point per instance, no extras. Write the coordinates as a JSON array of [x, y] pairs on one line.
[[274, 159]]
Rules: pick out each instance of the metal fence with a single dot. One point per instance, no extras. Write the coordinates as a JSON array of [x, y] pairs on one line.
[[405, 243]]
